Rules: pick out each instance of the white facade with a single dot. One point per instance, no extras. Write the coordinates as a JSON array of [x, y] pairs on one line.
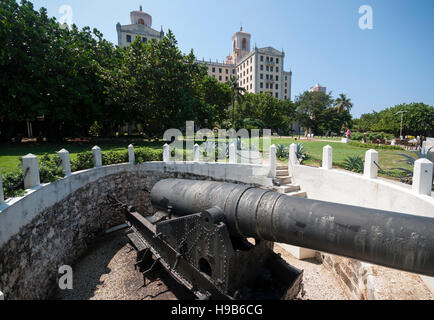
[[141, 26], [259, 70], [318, 88]]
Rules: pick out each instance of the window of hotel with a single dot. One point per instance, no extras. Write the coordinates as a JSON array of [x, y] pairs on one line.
[[286, 84], [271, 86], [251, 78], [267, 86], [271, 77], [227, 71], [286, 78], [262, 76], [233, 71], [262, 85], [268, 59], [286, 97], [262, 67], [220, 70], [277, 95], [213, 69], [251, 86], [220, 78], [271, 59], [227, 79], [251, 60], [268, 68], [262, 91], [277, 86], [128, 38], [251, 69], [244, 43], [277, 69], [267, 76], [277, 60], [286, 91], [262, 58], [277, 78], [271, 69]]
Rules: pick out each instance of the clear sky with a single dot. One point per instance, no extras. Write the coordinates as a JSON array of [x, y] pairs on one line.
[[391, 64]]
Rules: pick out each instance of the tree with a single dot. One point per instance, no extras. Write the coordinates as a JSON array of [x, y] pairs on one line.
[[343, 103], [310, 109], [263, 108], [236, 93]]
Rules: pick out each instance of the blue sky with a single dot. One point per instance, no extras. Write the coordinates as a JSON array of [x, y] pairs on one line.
[[391, 64]]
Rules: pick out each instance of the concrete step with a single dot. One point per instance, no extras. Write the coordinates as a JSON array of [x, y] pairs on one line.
[[282, 167], [282, 173], [287, 189], [298, 194], [283, 180]]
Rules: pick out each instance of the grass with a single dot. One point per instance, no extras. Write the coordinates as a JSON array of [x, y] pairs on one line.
[[11, 153]]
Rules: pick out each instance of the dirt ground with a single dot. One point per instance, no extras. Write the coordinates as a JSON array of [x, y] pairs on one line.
[[107, 272]]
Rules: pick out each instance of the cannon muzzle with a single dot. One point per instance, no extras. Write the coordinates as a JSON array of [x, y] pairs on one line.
[[390, 239]]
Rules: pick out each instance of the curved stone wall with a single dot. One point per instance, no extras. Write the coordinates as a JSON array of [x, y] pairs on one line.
[[53, 224]]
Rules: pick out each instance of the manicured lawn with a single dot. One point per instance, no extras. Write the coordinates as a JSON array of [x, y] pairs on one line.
[[388, 159]]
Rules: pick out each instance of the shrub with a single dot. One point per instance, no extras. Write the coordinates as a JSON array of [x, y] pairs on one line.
[[354, 164], [282, 151], [374, 146], [13, 183], [83, 161], [50, 168], [148, 154], [358, 136], [301, 154]]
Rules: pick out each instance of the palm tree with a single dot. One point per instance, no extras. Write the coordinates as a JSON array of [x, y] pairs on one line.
[[237, 95], [343, 103]]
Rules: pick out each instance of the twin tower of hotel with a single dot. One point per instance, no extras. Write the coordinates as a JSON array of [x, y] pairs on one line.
[[258, 71]]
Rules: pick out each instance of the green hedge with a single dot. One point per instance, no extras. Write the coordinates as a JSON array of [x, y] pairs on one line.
[[374, 146], [358, 136], [50, 168]]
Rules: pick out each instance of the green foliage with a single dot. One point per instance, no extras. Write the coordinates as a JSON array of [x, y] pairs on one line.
[[315, 112], [261, 110], [96, 129], [282, 151], [419, 120], [83, 161], [374, 146], [301, 154], [354, 164], [50, 168], [358, 136], [147, 155], [13, 185]]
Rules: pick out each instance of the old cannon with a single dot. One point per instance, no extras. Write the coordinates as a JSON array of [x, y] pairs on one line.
[[202, 234]]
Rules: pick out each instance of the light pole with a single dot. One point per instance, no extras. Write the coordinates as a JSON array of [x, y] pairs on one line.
[[402, 121]]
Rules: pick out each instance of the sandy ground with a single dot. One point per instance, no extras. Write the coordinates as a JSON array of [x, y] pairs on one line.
[[106, 272], [321, 284], [318, 282]]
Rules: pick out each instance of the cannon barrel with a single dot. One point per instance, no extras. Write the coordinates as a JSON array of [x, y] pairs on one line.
[[390, 239]]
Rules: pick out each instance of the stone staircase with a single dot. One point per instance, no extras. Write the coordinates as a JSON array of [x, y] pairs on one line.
[[283, 184]]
